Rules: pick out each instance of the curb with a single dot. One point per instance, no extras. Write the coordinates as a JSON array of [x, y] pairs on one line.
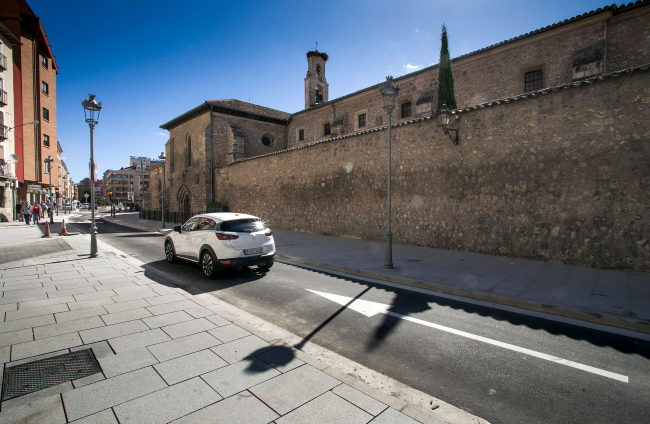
[[139, 227], [595, 318], [628, 324]]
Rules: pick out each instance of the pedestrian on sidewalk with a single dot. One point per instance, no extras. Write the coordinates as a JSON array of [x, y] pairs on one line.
[[26, 211], [43, 209], [50, 206], [36, 213], [19, 214]]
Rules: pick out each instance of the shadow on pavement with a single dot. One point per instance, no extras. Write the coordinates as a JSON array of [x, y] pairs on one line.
[[408, 303], [261, 359]]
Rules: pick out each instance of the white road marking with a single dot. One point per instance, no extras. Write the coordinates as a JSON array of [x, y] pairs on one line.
[[369, 309]]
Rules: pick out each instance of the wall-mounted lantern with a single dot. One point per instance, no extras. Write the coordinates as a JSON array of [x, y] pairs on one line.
[[444, 116]]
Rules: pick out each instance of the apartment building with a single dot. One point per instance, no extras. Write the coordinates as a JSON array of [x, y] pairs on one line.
[[34, 93]]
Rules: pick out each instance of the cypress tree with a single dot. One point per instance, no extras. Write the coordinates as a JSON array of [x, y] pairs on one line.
[[446, 94]]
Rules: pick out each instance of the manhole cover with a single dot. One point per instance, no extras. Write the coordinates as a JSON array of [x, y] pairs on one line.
[[38, 375]]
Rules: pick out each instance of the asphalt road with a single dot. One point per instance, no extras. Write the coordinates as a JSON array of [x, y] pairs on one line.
[[502, 385]]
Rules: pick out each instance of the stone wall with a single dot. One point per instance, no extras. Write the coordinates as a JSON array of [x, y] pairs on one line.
[[562, 176]]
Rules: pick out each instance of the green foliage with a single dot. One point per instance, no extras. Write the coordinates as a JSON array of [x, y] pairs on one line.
[[446, 94]]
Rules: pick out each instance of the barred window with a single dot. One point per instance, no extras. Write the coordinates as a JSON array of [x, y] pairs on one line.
[[534, 80], [406, 110], [301, 135]]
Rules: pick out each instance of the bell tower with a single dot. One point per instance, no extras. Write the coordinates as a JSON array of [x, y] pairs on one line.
[[316, 87]]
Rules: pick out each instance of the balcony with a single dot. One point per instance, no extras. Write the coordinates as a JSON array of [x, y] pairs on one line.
[[3, 98], [4, 132], [3, 62]]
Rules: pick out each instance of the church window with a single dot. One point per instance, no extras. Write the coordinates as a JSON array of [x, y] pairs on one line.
[[327, 129], [533, 80], [301, 135], [406, 110], [320, 78], [189, 151], [267, 139], [362, 120]]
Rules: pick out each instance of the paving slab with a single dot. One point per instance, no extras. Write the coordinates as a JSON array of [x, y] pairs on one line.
[[217, 320], [168, 404], [186, 328], [391, 416], [126, 362], [125, 306], [79, 314], [230, 410], [124, 316], [96, 295], [359, 399], [242, 348], [41, 410], [172, 307], [53, 330], [84, 304], [15, 337], [105, 417], [39, 347], [229, 333], [133, 296], [326, 409], [189, 366], [100, 349], [35, 312], [239, 376], [167, 319], [138, 339], [290, 390], [282, 359], [167, 298], [183, 346], [104, 394], [112, 331]]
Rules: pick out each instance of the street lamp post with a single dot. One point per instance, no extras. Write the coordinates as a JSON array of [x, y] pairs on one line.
[[389, 93], [162, 186], [91, 113], [49, 161]]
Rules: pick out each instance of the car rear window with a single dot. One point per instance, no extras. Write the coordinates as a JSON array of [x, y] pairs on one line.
[[247, 225]]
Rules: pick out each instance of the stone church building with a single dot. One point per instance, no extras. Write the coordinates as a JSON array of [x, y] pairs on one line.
[[212, 147]]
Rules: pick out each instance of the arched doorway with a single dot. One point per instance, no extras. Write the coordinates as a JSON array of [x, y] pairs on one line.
[[184, 203]]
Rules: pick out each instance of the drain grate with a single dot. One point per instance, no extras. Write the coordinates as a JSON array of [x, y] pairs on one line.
[[38, 375]]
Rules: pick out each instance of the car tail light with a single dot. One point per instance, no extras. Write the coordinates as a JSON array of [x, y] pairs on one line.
[[226, 237], [225, 262], [269, 234]]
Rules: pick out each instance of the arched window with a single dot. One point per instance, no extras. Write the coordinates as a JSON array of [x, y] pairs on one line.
[[318, 72], [189, 151]]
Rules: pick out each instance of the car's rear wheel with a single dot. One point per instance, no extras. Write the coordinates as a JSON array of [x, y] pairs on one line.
[[208, 264], [265, 266], [169, 252]]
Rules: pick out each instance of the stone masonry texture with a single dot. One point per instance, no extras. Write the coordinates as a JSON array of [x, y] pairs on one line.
[[562, 176]]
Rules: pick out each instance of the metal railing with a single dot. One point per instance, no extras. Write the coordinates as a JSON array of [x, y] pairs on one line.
[[3, 97], [172, 217], [4, 132], [3, 62]]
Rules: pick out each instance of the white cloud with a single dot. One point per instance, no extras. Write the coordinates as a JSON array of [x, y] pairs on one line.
[[412, 68], [163, 134]]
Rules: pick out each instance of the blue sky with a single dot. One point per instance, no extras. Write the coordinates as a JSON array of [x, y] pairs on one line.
[[150, 61]]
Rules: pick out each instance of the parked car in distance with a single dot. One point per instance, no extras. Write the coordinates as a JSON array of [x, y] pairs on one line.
[[218, 241], [85, 206]]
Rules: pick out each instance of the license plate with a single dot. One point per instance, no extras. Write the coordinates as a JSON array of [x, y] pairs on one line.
[[252, 251]]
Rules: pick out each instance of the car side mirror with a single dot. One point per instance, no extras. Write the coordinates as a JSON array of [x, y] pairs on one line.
[[177, 228]]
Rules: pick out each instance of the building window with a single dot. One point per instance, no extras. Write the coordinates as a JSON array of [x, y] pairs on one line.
[[45, 88], [327, 130], [301, 135], [362, 120], [406, 110], [170, 155], [533, 80], [46, 140], [44, 61], [46, 114]]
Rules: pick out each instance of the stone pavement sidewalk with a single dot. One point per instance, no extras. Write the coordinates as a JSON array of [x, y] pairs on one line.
[[166, 353], [615, 298]]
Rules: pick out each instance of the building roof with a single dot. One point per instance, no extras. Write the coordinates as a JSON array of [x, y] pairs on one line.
[[4, 31], [231, 107]]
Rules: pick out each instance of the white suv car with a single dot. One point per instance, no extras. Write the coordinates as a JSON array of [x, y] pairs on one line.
[[222, 240]]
